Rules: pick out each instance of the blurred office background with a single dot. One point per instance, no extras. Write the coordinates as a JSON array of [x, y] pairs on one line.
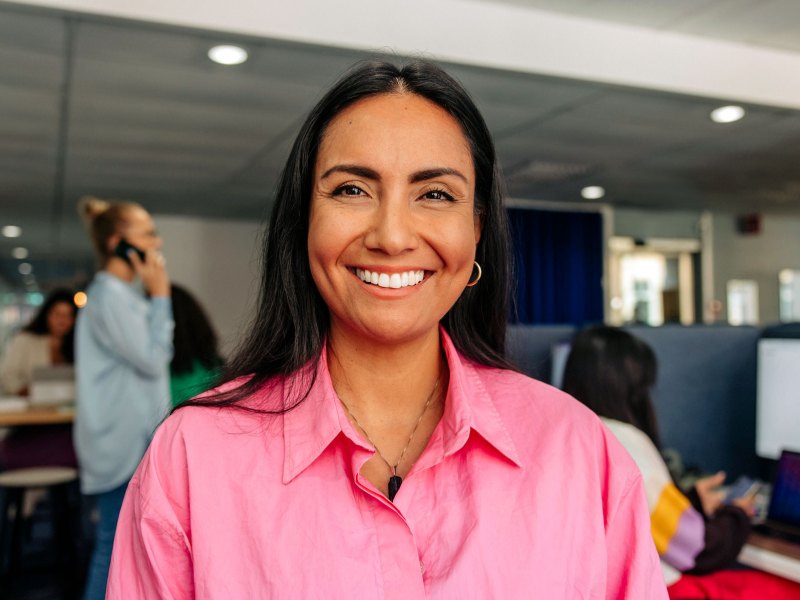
[[631, 200]]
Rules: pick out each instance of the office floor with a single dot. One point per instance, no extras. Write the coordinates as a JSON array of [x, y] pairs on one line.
[[38, 576]]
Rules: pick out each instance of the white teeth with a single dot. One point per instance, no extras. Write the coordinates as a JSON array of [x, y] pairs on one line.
[[395, 280]]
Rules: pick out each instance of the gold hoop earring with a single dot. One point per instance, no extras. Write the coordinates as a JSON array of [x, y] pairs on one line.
[[478, 278]]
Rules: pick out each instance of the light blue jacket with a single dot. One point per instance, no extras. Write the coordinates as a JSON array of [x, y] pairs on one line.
[[123, 347]]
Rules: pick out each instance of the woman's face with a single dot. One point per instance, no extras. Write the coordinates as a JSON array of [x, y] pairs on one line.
[[392, 227], [60, 319], [139, 230]]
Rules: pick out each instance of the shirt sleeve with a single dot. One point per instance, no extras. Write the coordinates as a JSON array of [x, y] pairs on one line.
[[143, 338], [634, 571], [725, 534], [152, 555], [13, 374]]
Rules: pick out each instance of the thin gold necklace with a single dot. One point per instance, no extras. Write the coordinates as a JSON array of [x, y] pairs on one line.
[[395, 481]]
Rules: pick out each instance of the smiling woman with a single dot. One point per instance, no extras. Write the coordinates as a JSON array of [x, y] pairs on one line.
[[371, 440]]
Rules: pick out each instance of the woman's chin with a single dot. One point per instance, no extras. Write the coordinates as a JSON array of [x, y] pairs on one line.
[[391, 332]]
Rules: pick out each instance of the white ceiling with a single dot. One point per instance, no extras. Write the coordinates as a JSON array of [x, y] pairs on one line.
[[121, 109], [766, 23]]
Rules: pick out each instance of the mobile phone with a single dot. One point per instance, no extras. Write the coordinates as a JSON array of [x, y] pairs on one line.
[[742, 488], [124, 247]]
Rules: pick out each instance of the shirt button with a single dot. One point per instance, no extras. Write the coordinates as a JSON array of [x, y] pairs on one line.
[[421, 567]]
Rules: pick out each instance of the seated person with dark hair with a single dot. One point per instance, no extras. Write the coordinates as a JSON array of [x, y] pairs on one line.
[[612, 372]]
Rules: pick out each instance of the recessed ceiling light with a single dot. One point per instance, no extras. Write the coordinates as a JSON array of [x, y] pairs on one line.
[[593, 192], [228, 55], [727, 114], [25, 268], [12, 231], [20, 253]]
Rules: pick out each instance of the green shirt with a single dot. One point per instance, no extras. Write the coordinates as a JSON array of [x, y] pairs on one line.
[[187, 385]]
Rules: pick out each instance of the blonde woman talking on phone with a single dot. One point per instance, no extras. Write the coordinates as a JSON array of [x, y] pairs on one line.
[[123, 350]]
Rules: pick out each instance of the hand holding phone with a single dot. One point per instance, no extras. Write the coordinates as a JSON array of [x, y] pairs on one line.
[[149, 265], [124, 249], [744, 487], [743, 495]]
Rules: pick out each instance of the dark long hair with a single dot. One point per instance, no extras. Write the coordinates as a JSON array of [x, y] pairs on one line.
[[194, 339], [38, 325], [292, 320], [612, 372]]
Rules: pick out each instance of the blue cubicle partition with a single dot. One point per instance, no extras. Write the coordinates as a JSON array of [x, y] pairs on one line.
[[705, 396]]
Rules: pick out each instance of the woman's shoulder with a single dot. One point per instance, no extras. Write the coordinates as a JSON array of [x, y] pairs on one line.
[[105, 285], [640, 447], [516, 391], [208, 416], [26, 338]]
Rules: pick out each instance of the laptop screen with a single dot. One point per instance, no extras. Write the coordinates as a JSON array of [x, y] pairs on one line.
[[785, 504]]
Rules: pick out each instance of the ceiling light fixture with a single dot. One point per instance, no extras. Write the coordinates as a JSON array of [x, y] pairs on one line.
[[12, 231], [727, 114], [20, 253], [25, 268], [228, 55], [593, 192]]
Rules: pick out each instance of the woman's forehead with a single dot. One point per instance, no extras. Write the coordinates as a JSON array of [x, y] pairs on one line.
[[398, 128]]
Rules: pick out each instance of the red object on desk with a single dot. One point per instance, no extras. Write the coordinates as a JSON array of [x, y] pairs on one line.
[[734, 585]]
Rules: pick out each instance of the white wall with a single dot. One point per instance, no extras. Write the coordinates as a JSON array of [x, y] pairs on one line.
[[216, 260], [646, 224], [758, 257]]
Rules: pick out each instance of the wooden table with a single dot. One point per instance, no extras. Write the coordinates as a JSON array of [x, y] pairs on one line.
[[773, 555], [38, 416]]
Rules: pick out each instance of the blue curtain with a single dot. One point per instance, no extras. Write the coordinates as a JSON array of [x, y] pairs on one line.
[[559, 266]]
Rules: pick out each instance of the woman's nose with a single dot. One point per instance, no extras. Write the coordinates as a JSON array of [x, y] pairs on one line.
[[393, 228]]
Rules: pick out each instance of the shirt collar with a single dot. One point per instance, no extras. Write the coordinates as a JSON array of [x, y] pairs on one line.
[[470, 407], [311, 427]]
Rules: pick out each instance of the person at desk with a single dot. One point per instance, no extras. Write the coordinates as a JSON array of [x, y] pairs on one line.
[[123, 348], [697, 536], [47, 340], [371, 440]]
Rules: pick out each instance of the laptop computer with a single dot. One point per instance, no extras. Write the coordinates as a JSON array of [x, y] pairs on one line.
[[53, 386], [783, 515]]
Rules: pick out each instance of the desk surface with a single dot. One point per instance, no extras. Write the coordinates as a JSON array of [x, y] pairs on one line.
[[38, 416], [772, 555]]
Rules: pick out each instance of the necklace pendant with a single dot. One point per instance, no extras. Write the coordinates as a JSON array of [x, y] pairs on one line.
[[395, 481]]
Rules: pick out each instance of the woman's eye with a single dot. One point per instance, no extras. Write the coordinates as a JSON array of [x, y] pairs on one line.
[[437, 195], [348, 190]]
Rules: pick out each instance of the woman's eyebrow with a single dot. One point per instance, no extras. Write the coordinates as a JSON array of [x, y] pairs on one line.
[[356, 170], [434, 173]]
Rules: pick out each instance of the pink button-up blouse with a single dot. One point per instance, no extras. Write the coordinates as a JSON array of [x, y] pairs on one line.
[[520, 493]]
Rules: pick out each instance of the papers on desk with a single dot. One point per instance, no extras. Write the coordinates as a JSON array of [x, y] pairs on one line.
[[13, 404]]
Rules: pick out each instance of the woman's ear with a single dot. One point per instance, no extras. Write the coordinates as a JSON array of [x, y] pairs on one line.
[[478, 229], [112, 243]]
